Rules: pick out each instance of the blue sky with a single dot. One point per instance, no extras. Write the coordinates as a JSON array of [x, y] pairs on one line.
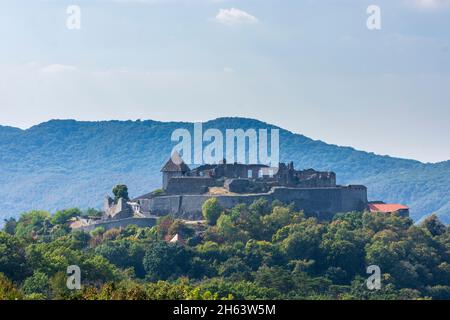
[[309, 66]]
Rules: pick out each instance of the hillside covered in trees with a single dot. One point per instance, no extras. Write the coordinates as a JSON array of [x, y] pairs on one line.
[[262, 251], [64, 163]]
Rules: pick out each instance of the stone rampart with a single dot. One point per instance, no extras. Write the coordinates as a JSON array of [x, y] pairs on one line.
[[323, 203], [120, 223]]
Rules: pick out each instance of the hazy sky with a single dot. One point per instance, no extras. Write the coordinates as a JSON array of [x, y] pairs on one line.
[[312, 67]]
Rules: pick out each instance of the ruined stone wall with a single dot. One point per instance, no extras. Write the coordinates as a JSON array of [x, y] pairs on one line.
[[190, 185], [354, 198], [119, 210], [229, 170], [167, 176], [121, 223], [246, 186], [320, 202]]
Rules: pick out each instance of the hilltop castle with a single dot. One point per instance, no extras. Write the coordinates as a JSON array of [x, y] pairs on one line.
[[184, 191]]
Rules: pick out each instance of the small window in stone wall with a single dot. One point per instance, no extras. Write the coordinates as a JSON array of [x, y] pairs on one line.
[[250, 174]]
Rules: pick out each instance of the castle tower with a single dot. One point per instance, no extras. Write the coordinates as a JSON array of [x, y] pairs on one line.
[[174, 167]]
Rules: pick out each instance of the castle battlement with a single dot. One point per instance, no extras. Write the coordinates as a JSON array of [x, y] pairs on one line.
[[185, 190], [178, 178]]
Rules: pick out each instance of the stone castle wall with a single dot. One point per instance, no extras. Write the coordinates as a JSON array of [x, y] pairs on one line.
[[321, 202], [246, 186], [120, 223], [190, 185], [354, 198], [119, 210]]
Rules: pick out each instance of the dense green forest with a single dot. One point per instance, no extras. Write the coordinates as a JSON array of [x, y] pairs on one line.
[[262, 251], [63, 163]]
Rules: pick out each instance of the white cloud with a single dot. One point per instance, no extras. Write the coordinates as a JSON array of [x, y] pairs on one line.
[[429, 4], [57, 68], [235, 16]]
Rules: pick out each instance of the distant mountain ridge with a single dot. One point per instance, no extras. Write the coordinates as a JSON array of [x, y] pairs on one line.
[[67, 163]]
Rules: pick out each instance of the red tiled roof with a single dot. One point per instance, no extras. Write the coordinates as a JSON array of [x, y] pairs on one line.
[[386, 207]]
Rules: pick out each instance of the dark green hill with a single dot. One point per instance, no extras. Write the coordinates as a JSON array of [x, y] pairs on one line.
[[66, 163]]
